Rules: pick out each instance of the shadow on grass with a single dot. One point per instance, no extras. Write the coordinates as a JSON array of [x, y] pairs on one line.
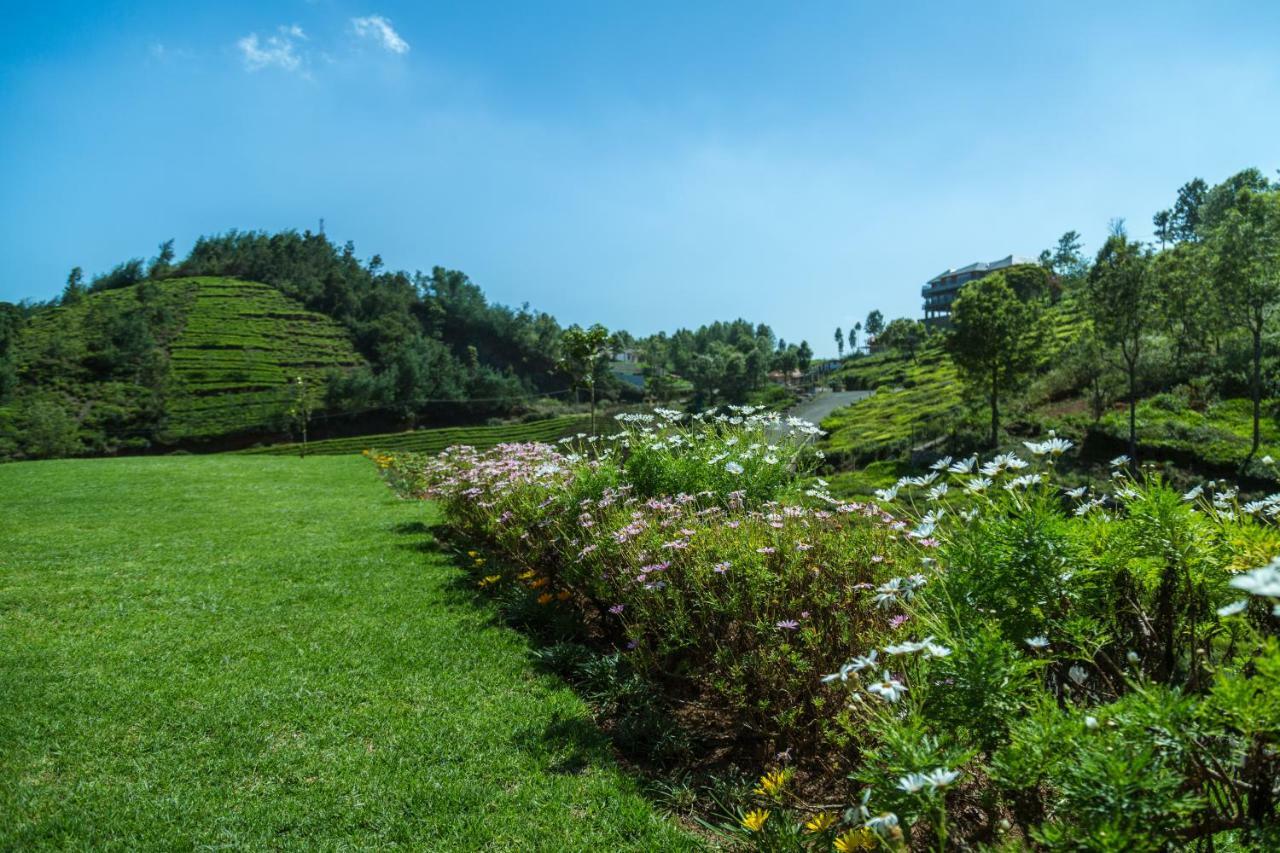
[[424, 537], [565, 745], [632, 723]]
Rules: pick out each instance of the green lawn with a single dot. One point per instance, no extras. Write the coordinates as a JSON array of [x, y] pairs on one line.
[[240, 652]]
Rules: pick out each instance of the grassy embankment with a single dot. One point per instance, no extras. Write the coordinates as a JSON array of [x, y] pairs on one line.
[[233, 652], [435, 440]]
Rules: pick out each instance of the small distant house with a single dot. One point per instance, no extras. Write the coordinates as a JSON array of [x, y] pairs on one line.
[[942, 289], [822, 368]]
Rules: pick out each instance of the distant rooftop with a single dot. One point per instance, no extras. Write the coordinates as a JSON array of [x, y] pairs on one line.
[[979, 266]]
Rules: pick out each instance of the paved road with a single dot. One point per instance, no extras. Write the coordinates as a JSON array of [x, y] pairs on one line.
[[819, 406]]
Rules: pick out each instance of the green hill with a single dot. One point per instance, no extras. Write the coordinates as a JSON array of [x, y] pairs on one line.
[[169, 363]]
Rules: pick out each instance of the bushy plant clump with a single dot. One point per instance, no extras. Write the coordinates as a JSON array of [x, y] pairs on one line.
[[1076, 671], [687, 545], [990, 659]]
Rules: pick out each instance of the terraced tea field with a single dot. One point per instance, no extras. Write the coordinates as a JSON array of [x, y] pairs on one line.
[[241, 345]]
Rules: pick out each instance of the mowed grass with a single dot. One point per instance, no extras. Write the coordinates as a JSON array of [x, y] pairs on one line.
[[255, 652]]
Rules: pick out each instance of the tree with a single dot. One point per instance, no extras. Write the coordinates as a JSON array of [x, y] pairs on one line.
[[1065, 260], [11, 320], [302, 403], [1163, 222], [1189, 308], [162, 264], [804, 356], [126, 274], [47, 430], [1184, 218], [1247, 270], [1085, 362], [75, 289], [1068, 259], [875, 323], [1120, 302], [993, 340], [840, 341], [903, 334], [1229, 195], [853, 338], [1029, 281], [584, 352]]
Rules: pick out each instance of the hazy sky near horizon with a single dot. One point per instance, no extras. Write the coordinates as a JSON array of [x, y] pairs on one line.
[[645, 165]]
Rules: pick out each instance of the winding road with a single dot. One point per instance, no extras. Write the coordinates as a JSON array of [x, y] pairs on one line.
[[819, 406]]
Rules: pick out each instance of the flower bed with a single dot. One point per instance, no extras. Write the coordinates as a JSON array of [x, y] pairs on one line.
[[975, 658]]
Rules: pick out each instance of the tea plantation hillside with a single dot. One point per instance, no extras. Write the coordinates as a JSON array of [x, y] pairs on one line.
[[172, 363], [919, 411], [241, 345]]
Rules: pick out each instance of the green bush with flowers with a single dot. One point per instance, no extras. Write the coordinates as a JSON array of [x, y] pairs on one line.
[[977, 658]]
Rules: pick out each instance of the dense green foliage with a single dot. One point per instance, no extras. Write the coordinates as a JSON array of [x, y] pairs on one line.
[[723, 362], [263, 653]]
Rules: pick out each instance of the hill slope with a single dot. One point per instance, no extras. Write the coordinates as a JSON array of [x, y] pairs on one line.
[[171, 362], [241, 345], [918, 411]]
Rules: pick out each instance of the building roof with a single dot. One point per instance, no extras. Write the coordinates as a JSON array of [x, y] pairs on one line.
[[984, 268]]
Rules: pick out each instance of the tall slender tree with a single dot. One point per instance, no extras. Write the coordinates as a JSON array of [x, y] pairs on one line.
[[585, 352], [1246, 249], [1119, 297], [75, 289], [875, 323], [993, 340], [840, 341]]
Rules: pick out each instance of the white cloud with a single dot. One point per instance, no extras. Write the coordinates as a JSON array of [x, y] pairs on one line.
[[380, 30], [277, 51]]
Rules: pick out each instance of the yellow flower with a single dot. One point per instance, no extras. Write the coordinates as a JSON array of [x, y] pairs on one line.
[[545, 598], [524, 576], [772, 783], [754, 820], [490, 579], [820, 822], [473, 553], [856, 839], [479, 561]]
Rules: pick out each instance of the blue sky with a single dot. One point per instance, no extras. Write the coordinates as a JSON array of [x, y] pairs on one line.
[[646, 165]]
